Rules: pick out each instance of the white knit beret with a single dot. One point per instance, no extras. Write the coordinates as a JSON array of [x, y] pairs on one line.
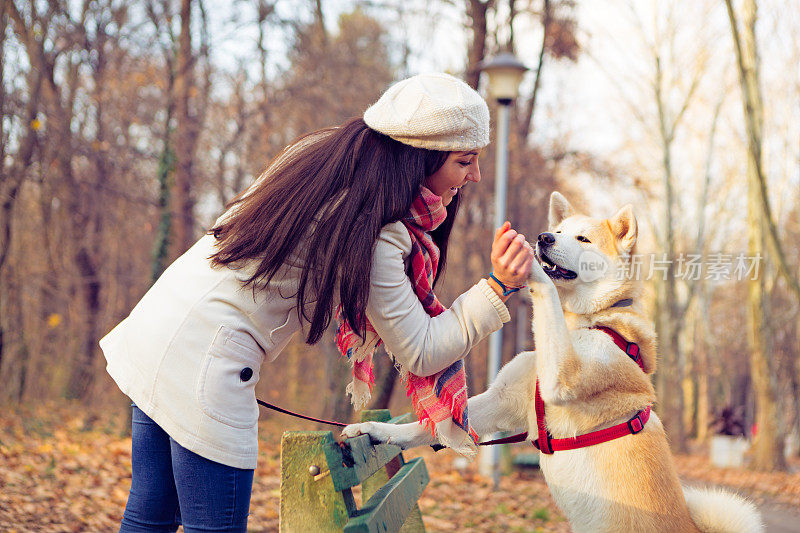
[[434, 111]]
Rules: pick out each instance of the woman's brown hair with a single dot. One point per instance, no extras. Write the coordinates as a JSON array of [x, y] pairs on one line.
[[346, 183]]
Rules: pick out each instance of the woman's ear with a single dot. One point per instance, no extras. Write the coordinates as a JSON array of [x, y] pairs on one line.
[[624, 227], [560, 209]]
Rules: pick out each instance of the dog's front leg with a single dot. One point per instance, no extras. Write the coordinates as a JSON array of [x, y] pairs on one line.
[[484, 414], [406, 436], [558, 365], [503, 407]]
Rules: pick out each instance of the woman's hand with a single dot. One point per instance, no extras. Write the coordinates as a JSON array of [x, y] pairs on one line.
[[512, 258]]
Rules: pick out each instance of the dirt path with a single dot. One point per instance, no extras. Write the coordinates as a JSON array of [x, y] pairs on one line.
[[780, 519], [62, 471]]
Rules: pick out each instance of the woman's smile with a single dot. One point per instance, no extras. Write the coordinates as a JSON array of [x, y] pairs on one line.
[[458, 169]]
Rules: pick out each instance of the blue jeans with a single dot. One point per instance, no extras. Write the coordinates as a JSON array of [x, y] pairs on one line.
[[173, 486]]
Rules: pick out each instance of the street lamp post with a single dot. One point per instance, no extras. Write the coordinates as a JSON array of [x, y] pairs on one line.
[[504, 73]]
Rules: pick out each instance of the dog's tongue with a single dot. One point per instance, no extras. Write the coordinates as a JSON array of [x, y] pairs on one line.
[[566, 274]]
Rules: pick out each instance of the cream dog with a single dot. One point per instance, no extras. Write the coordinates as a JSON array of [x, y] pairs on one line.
[[587, 309]]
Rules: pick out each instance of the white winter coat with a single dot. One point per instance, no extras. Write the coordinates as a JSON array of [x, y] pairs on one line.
[[182, 353]]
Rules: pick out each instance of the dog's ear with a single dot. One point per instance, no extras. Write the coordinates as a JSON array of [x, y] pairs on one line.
[[560, 209], [624, 227]]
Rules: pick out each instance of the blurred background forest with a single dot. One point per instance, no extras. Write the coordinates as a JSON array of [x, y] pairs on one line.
[[127, 126]]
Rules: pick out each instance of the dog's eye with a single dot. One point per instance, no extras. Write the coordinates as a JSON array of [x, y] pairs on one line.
[[582, 238]]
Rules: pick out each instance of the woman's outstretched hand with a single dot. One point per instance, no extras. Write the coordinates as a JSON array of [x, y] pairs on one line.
[[512, 258]]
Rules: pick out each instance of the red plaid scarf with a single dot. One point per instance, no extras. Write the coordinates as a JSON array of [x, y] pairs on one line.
[[440, 401]]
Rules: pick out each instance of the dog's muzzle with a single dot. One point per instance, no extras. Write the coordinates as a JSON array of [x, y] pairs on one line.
[[550, 268], [546, 239]]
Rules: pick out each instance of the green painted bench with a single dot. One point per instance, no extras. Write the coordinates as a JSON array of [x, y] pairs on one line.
[[318, 475]]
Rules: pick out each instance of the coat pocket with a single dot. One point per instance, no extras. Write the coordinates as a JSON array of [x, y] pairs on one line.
[[228, 377]]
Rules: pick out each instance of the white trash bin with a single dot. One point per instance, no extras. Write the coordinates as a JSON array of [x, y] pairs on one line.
[[727, 451]]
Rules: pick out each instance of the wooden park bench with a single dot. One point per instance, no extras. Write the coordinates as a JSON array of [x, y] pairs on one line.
[[318, 475]]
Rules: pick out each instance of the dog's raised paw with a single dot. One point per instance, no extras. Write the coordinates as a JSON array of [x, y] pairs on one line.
[[354, 430], [378, 433]]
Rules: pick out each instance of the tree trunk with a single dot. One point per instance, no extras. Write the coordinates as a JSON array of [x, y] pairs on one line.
[[166, 168], [689, 386], [512, 13], [747, 60], [186, 138], [658, 320], [339, 372], [476, 10], [87, 259], [703, 336], [386, 380], [83, 373], [17, 358], [13, 176], [703, 350], [797, 380], [80, 206], [767, 446], [294, 361], [530, 108], [319, 20], [670, 350]]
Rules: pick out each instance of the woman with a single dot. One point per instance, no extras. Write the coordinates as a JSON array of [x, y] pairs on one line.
[[355, 217]]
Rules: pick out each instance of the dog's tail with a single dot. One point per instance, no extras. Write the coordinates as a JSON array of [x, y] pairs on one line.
[[720, 511]]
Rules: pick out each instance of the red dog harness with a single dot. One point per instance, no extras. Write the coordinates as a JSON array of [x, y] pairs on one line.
[[547, 444]]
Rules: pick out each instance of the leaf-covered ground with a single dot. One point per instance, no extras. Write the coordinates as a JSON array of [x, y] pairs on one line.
[[63, 469]]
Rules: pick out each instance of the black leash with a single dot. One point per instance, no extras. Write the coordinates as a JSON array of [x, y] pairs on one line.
[[514, 438], [298, 415]]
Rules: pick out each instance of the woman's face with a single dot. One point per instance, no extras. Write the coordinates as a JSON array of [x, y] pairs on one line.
[[458, 169]]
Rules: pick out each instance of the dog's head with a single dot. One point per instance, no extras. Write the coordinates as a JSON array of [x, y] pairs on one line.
[[586, 257]]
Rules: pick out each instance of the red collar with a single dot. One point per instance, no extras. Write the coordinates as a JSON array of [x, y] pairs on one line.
[[547, 444], [631, 349]]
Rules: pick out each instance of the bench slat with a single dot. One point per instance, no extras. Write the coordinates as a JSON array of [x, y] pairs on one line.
[[350, 468], [402, 419], [309, 502], [388, 508]]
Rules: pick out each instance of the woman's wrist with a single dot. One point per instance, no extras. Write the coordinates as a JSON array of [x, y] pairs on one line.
[[498, 289], [503, 290]]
